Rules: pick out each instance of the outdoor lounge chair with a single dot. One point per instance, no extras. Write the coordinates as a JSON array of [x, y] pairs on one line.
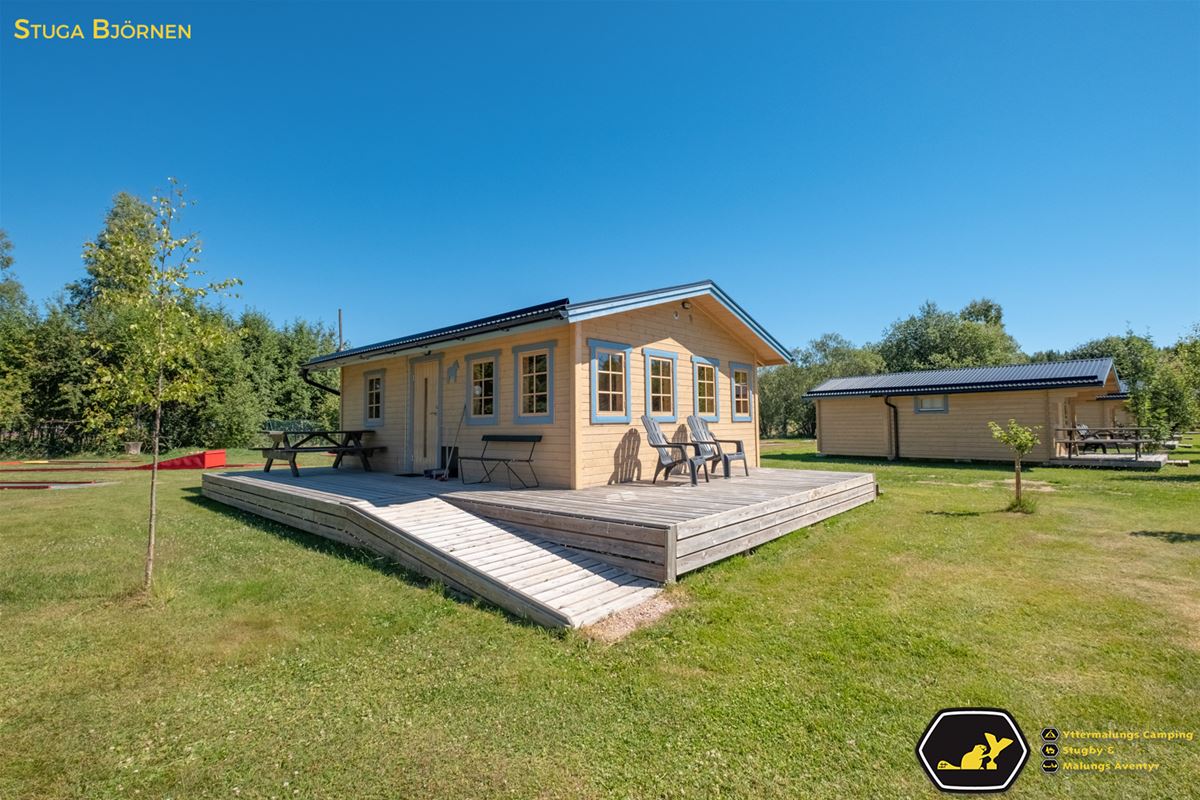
[[710, 447], [673, 454], [1090, 441]]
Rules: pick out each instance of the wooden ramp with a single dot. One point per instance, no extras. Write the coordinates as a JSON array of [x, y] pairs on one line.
[[549, 583]]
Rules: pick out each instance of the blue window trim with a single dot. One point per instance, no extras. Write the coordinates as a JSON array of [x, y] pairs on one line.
[[734, 366], [609, 418], [412, 386], [382, 375], [469, 385], [649, 353], [531, 419], [716, 365], [945, 409]]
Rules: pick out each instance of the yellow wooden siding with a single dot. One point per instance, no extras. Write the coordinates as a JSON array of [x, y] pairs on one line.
[[613, 453], [552, 457], [391, 434], [861, 426], [853, 426], [963, 433]]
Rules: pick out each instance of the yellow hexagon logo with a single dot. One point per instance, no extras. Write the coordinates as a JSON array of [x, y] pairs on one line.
[[973, 750]]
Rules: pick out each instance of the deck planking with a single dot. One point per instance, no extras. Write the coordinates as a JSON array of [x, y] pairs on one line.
[[560, 557]]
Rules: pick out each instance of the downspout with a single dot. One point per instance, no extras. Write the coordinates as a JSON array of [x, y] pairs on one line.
[[887, 401], [304, 377]]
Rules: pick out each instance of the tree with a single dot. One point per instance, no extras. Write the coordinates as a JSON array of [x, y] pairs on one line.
[[937, 339], [1020, 439], [782, 407], [115, 261], [158, 333], [17, 319]]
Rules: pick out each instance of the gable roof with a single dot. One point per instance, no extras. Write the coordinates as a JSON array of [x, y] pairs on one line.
[[1051, 375], [557, 311]]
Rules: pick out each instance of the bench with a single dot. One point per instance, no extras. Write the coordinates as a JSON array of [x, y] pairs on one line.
[[340, 443], [491, 463], [1136, 444]]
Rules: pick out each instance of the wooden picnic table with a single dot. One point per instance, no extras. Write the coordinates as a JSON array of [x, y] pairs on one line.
[[287, 445], [1128, 436]]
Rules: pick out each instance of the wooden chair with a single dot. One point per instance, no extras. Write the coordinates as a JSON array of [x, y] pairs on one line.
[[1090, 441], [673, 454], [710, 447]]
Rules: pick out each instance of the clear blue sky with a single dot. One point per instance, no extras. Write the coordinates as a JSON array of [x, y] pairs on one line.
[[831, 166]]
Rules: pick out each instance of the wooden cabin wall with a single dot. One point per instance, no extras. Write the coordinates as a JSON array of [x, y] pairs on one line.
[[552, 457], [610, 453], [854, 426]]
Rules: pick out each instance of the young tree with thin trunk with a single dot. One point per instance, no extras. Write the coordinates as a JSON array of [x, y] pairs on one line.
[[149, 353], [1021, 439]]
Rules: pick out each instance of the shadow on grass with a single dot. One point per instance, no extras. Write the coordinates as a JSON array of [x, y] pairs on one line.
[[1159, 478], [817, 460], [956, 513], [1174, 537], [359, 555]]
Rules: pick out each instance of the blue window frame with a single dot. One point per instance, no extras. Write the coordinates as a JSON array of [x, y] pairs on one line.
[[706, 381], [483, 388], [533, 384], [373, 387], [662, 384], [931, 404], [610, 382], [741, 391]]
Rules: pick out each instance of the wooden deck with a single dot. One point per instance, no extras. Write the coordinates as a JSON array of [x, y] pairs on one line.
[[558, 556], [1112, 461]]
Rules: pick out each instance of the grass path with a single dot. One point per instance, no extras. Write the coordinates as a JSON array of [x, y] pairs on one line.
[[274, 664]]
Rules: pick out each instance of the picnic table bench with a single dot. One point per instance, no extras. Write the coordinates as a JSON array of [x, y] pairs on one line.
[[1082, 437], [287, 445], [491, 463]]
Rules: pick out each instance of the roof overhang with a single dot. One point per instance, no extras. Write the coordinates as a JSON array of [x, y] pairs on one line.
[[899, 391], [482, 330], [768, 349], [708, 296]]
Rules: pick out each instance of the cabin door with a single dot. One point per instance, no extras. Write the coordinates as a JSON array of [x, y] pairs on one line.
[[426, 411]]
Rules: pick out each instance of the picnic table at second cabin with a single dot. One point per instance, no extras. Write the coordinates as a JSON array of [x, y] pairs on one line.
[[1080, 438], [286, 445]]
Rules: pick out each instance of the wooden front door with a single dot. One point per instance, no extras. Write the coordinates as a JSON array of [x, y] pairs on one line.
[[426, 378]]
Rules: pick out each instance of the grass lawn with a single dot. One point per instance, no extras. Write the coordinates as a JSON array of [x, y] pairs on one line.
[[273, 664]]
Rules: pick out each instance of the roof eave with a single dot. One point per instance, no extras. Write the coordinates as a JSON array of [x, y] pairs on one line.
[[907, 391], [336, 360], [577, 312]]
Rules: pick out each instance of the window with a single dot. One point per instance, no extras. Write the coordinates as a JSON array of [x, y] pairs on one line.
[[373, 399], [610, 381], [932, 403], [534, 387], [661, 397], [704, 380], [535, 383], [741, 391], [483, 388]]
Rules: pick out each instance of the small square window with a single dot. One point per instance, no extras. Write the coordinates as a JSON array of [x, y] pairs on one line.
[[932, 403]]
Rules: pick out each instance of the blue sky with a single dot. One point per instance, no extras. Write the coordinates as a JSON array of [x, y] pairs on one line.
[[831, 166]]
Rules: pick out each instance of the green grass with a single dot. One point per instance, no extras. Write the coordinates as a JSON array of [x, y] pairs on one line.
[[274, 664]]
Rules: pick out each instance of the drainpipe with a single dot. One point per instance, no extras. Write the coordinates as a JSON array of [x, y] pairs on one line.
[[304, 377], [887, 400]]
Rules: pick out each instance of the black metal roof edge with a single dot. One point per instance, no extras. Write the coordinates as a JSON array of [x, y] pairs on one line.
[[963, 388], [979, 366], [509, 319]]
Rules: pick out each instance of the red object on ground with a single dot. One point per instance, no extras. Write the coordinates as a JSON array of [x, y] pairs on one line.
[[204, 460], [41, 485]]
